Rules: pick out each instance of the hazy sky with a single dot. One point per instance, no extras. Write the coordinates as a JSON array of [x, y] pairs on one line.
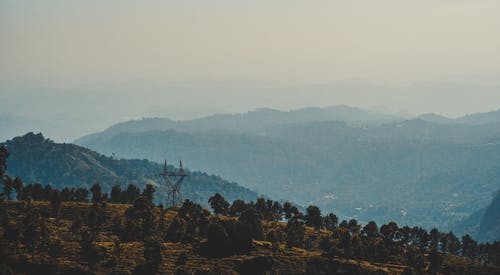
[[192, 58]]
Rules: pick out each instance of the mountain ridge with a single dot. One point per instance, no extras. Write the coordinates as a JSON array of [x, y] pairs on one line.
[[250, 122]]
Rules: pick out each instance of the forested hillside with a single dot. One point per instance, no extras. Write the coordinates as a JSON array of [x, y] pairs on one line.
[[413, 171], [261, 237], [34, 158]]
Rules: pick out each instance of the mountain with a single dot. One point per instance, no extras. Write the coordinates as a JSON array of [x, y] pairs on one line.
[[379, 171], [36, 159], [492, 117], [257, 121], [483, 225], [489, 228], [435, 118], [481, 118]]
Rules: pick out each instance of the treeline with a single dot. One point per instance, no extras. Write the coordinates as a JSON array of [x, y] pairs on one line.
[[39, 192], [350, 239]]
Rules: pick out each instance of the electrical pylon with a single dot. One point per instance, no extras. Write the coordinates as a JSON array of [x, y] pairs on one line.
[[173, 180]]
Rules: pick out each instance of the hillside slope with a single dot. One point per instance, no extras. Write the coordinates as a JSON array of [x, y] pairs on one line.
[[489, 228], [36, 159]]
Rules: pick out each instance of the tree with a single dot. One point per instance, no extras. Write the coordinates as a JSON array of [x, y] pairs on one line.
[[453, 244], [276, 211], [261, 207], [290, 211], [55, 203], [81, 195], [90, 251], [434, 260], [31, 230], [149, 192], [389, 230], [330, 221], [370, 230], [47, 193], [192, 213], [415, 258], [253, 220], [96, 193], [152, 255], [295, 233], [313, 217], [116, 194], [140, 220], [4, 154], [434, 239], [217, 239], [240, 237], [353, 226], [8, 186], [176, 230], [68, 194], [131, 194], [219, 204], [469, 247], [443, 240], [18, 186], [237, 207], [345, 243]]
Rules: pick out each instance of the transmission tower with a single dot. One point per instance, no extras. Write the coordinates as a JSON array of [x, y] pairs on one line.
[[173, 180]]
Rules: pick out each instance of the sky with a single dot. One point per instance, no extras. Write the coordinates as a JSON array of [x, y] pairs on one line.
[[103, 61]]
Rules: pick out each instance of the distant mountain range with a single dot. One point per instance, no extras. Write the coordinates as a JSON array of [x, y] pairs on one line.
[[256, 122], [428, 170], [36, 159]]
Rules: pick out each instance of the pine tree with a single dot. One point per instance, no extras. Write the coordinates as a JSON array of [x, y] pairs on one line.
[[313, 217], [295, 233], [253, 220], [153, 255], [370, 230], [219, 204], [148, 192], [4, 154], [434, 260], [96, 193], [8, 187], [116, 194], [330, 221]]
